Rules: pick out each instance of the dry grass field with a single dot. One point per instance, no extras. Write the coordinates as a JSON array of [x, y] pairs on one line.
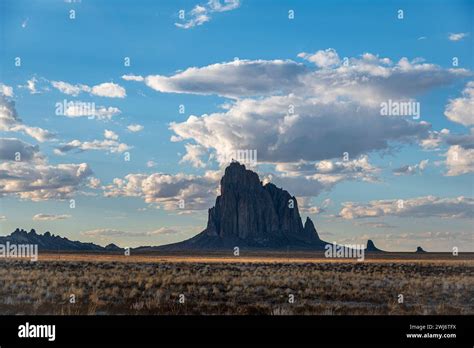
[[150, 284]]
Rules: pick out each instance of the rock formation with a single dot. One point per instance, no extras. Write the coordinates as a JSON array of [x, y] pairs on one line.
[[250, 214], [247, 214], [371, 247], [50, 242], [420, 250]]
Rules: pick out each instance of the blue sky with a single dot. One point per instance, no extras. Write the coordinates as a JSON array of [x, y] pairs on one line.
[[90, 49]]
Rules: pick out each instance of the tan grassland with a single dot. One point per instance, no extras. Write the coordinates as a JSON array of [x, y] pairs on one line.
[[247, 284]]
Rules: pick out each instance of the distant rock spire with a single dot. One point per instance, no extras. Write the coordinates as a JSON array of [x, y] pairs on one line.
[[371, 246], [310, 230], [420, 250]]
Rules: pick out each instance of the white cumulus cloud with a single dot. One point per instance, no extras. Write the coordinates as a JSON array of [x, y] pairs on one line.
[[50, 217], [135, 128], [461, 110], [290, 113], [6, 90], [459, 160], [106, 89], [322, 58], [166, 190], [11, 122], [201, 14], [420, 207], [457, 36]]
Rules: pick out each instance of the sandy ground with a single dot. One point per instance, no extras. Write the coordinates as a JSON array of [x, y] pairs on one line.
[[253, 257]]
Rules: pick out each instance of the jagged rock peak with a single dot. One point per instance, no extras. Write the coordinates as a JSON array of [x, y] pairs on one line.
[[236, 176], [371, 246], [261, 215], [112, 247], [48, 241], [309, 228], [420, 250], [19, 231]]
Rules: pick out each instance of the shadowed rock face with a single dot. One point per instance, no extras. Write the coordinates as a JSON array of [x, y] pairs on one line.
[[250, 214], [371, 246], [310, 233], [50, 242], [244, 209], [256, 214], [420, 250]]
